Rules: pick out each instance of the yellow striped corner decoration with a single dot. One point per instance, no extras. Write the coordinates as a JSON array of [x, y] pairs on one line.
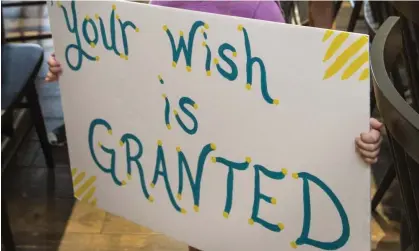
[[84, 187], [347, 58]]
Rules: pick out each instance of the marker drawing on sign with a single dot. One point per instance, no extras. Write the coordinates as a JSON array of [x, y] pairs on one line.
[[348, 55], [73, 27], [240, 166], [304, 238], [161, 170], [258, 196], [182, 46]]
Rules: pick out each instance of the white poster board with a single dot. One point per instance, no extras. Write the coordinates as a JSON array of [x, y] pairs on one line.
[[242, 140]]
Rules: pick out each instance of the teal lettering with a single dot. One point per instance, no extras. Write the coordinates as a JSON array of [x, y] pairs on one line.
[[111, 152], [304, 238], [72, 26], [182, 102], [194, 183], [126, 140], [249, 70], [182, 47], [259, 196], [77, 46], [230, 179], [232, 75], [161, 170], [86, 36]]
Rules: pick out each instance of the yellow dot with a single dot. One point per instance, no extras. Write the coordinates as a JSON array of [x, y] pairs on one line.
[[97, 16], [215, 60], [175, 112], [92, 44], [183, 211], [169, 126], [234, 54], [165, 27], [240, 27], [179, 196], [124, 183], [202, 31], [113, 6], [248, 159], [178, 149], [281, 226], [99, 144], [295, 175], [173, 64], [195, 106], [180, 33], [150, 198], [121, 143], [137, 29], [126, 57], [196, 208], [284, 171], [59, 4], [110, 131], [250, 221], [276, 102], [248, 86], [159, 77], [97, 58], [152, 185], [87, 17], [208, 73], [213, 146], [206, 26], [225, 214], [273, 201], [188, 69], [164, 95], [121, 55], [129, 176], [204, 44], [214, 159], [159, 142], [117, 17], [293, 244]]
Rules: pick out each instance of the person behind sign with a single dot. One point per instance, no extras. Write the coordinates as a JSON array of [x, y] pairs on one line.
[[367, 144]]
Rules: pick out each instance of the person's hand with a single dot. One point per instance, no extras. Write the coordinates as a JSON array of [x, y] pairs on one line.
[[368, 143], [55, 69]]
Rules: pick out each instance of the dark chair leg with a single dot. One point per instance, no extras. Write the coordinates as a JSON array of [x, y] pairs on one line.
[[38, 120], [355, 15], [6, 231], [383, 187]]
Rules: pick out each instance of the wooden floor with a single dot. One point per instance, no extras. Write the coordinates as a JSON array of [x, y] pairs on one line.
[[43, 222]]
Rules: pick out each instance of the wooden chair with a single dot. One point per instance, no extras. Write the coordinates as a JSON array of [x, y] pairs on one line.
[[400, 119]]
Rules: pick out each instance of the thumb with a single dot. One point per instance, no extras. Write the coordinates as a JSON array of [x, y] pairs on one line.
[[375, 124]]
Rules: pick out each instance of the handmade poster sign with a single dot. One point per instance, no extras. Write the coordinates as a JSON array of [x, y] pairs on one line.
[[222, 132]]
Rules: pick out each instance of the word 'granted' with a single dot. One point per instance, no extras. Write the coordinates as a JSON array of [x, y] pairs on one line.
[[208, 152]]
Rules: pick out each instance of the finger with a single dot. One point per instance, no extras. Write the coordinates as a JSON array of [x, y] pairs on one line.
[[366, 146], [50, 77], [371, 137], [375, 124], [56, 70], [369, 154], [52, 62], [370, 161]]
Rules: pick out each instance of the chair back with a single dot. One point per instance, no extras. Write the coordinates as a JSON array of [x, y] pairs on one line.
[[400, 119]]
